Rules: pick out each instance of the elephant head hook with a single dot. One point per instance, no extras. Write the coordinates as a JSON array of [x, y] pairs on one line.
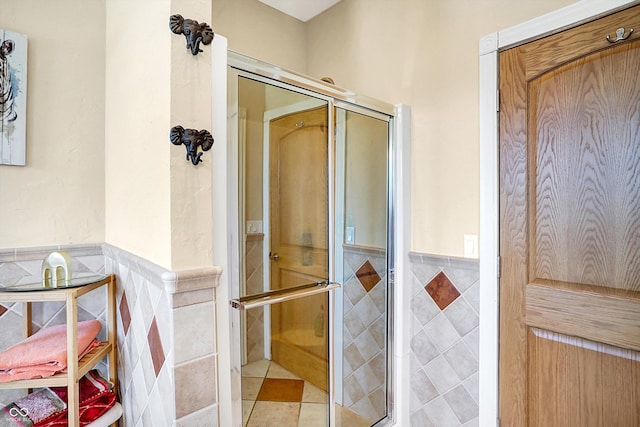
[[194, 32], [192, 139]]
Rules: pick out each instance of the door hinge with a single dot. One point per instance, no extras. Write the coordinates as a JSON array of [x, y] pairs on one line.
[[499, 266], [497, 422], [497, 100]]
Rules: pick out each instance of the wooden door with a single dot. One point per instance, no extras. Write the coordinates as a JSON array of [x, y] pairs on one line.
[[299, 216], [570, 228]]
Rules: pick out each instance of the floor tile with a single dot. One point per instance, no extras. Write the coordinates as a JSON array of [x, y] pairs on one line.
[[313, 415], [274, 414], [256, 369], [247, 407], [277, 371], [313, 394], [281, 390], [251, 387]]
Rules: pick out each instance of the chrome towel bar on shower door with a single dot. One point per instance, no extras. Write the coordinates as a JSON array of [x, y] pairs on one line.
[[280, 295]]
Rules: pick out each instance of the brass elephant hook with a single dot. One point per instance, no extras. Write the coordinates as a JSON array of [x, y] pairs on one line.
[[192, 139], [194, 32]]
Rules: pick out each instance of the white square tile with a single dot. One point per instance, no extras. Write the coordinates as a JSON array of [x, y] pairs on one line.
[[367, 345], [462, 316], [423, 307], [442, 375], [422, 387], [462, 404], [423, 348], [461, 360], [441, 332], [441, 414]]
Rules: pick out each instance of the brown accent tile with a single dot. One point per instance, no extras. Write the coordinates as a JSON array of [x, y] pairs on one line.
[[368, 276], [155, 346], [281, 390], [3, 309], [125, 314], [442, 291]]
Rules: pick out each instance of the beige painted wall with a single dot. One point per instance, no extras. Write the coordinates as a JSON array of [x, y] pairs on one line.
[[138, 112], [158, 205], [257, 30], [58, 197], [418, 52], [424, 54]]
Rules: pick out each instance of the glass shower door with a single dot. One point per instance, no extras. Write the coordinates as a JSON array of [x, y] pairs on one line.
[[313, 209], [285, 288], [362, 333]]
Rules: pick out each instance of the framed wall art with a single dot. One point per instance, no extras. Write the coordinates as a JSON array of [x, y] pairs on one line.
[[13, 98]]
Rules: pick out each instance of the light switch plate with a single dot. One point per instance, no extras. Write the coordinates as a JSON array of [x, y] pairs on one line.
[[254, 227]]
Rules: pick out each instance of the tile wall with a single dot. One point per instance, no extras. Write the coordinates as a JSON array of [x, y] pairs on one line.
[[364, 331], [167, 366], [254, 320], [444, 341], [166, 358]]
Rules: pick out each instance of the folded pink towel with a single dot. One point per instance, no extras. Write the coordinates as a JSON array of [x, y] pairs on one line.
[[45, 353]]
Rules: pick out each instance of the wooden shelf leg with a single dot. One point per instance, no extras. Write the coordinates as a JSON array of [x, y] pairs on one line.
[[73, 387]]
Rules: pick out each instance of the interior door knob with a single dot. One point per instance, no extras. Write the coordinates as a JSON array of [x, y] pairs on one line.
[[275, 257]]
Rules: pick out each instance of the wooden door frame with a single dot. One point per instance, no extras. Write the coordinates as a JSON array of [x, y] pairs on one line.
[[489, 49]]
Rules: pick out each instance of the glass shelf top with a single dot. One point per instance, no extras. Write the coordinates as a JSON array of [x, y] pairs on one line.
[[76, 282]]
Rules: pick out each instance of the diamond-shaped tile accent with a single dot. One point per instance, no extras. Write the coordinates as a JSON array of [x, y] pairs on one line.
[[442, 291], [368, 276], [3, 309], [155, 345], [125, 314]]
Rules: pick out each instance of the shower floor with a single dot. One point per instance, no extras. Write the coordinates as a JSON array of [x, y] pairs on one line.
[[274, 397]]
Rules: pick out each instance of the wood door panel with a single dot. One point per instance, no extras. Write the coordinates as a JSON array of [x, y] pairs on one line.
[[513, 244], [567, 46], [590, 312], [585, 124], [570, 228], [576, 382]]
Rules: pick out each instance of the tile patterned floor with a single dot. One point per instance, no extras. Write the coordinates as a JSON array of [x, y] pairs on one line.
[[274, 397]]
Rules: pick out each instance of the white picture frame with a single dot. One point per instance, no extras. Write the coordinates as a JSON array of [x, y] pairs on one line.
[[13, 98]]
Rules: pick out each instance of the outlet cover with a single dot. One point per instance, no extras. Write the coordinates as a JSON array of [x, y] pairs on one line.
[[471, 246], [350, 236]]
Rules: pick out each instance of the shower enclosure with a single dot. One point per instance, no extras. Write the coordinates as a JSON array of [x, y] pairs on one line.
[[313, 295]]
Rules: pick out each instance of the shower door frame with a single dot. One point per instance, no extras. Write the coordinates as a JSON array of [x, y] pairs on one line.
[[397, 236]]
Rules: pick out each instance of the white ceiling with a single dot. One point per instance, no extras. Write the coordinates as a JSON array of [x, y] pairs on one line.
[[301, 9]]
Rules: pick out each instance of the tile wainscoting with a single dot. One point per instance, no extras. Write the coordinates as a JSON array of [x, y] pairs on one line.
[[444, 341], [167, 359], [167, 367]]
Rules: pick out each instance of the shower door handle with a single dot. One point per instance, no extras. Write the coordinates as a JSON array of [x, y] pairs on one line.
[[281, 295]]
